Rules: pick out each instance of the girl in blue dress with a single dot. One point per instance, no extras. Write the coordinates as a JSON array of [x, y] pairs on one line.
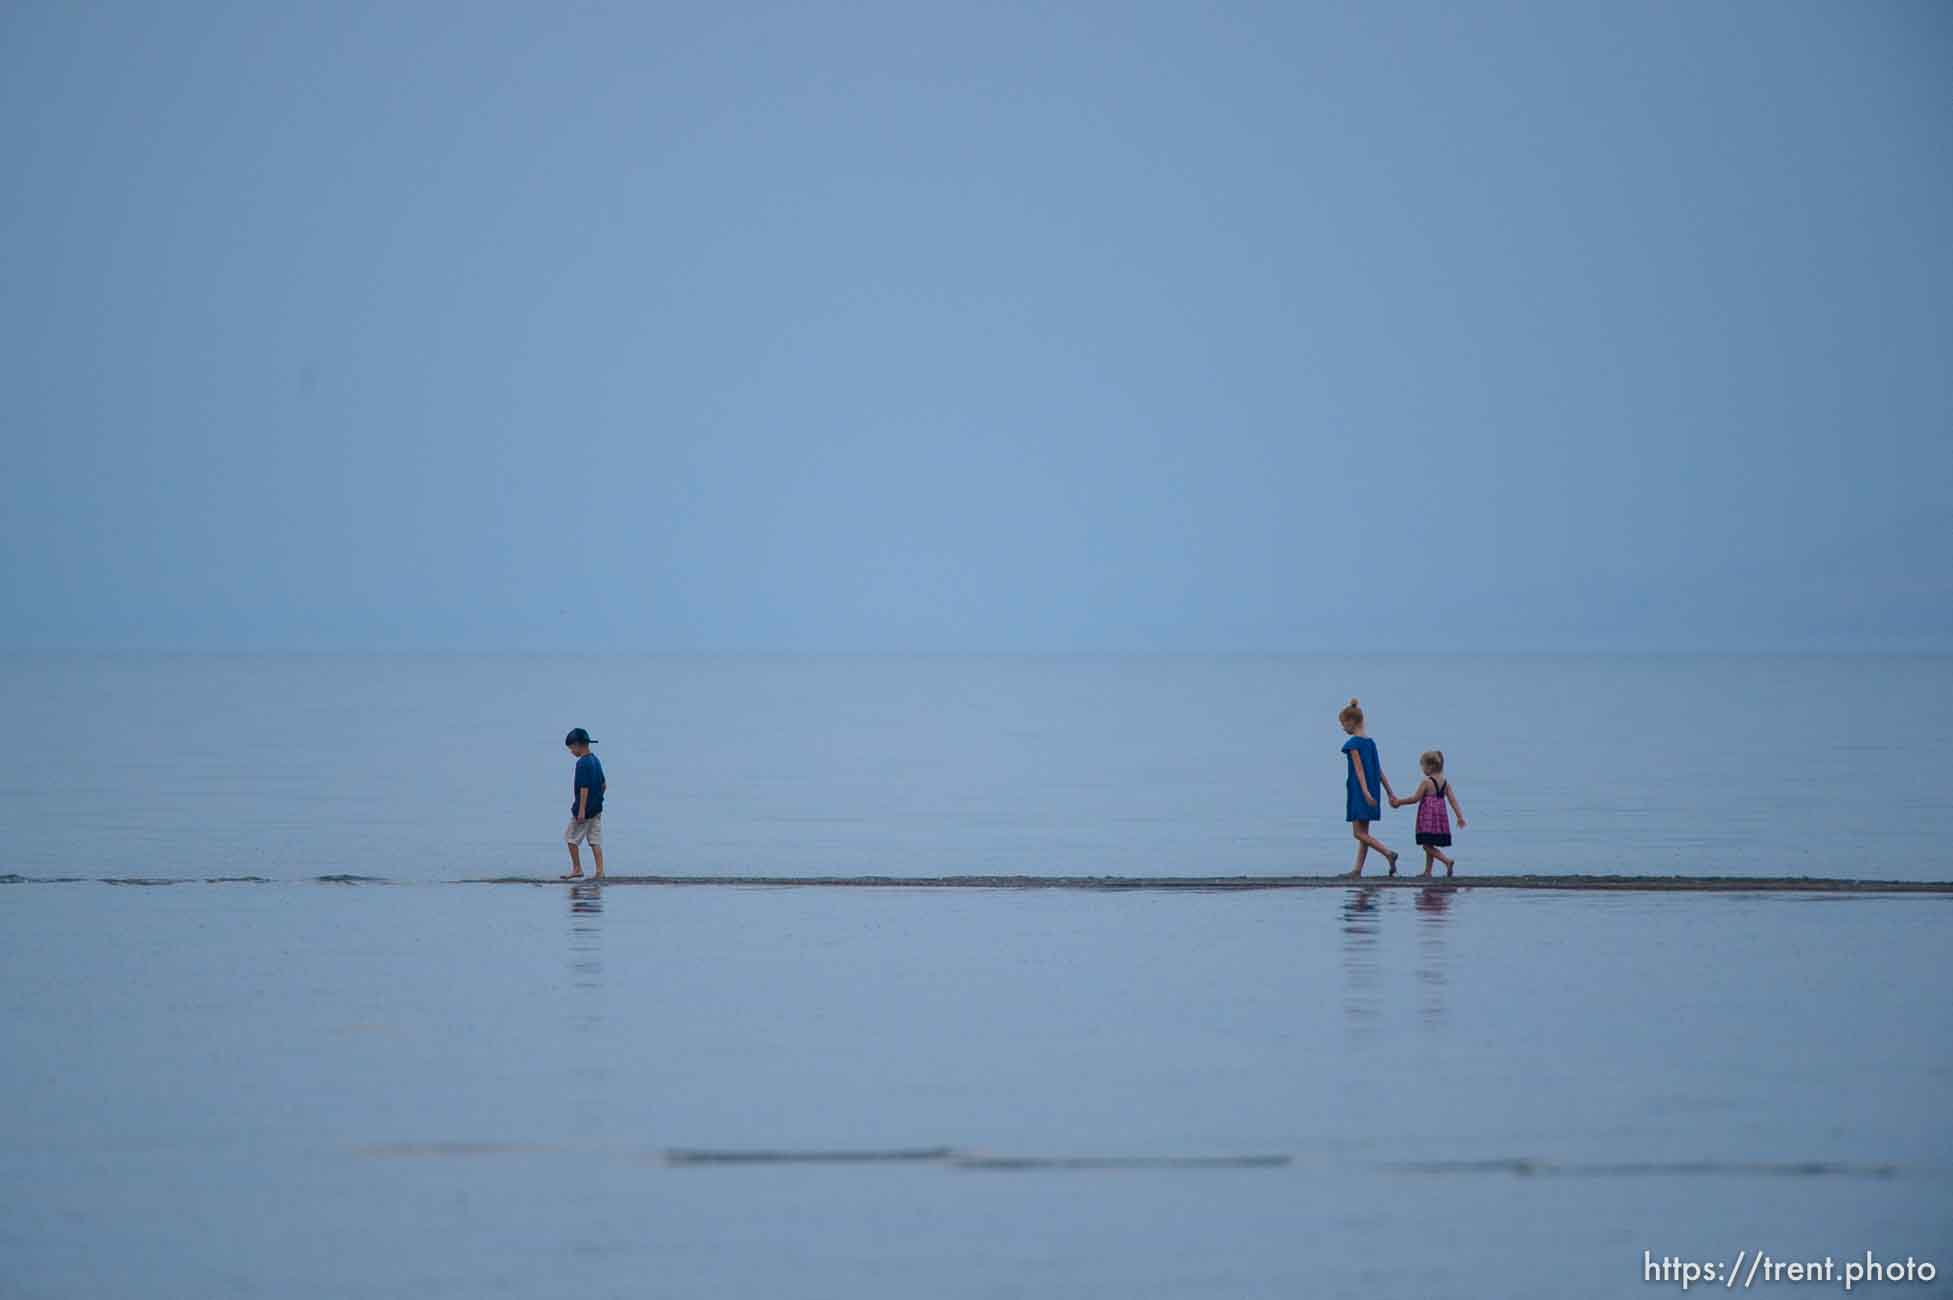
[[1363, 804]]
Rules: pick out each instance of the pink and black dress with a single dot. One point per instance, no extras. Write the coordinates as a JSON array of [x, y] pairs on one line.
[[1433, 821]]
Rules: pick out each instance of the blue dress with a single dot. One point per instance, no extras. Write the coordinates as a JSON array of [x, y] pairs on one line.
[[1361, 809]]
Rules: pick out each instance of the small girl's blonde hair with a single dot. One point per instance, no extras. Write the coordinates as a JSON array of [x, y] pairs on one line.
[[1352, 712], [1431, 760]]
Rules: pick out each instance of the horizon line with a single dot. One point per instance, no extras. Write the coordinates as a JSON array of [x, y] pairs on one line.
[[298, 652]]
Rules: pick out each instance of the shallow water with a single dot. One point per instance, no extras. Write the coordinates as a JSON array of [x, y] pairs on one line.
[[367, 1090], [294, 1088], [432, 768]]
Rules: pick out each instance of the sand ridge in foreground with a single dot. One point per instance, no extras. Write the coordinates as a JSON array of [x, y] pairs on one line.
[[1648, 884]]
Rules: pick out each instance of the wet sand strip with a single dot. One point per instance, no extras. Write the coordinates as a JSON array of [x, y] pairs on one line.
[[1643, 884], [1109, 884]]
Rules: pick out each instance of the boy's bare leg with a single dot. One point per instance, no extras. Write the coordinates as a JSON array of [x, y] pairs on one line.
[[576, 861], [596, 858]]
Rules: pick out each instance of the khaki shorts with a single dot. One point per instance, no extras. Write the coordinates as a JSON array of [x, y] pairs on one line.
[[588, 831]]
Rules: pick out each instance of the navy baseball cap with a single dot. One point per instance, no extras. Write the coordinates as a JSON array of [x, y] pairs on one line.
[[578, 736]]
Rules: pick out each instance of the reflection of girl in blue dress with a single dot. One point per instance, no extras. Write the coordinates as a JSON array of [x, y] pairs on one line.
[[1364, 805]]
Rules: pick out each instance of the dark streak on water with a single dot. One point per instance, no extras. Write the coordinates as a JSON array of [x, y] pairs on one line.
[[957, 1158], [1527, 1167], [694, 1156]]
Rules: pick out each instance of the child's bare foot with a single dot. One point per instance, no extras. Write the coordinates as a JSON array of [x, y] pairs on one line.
[[574, 875], [1393, 862], [1448, 866]]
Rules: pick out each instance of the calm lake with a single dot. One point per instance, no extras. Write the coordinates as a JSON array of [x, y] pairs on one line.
[[296, 1088], [437, 768]]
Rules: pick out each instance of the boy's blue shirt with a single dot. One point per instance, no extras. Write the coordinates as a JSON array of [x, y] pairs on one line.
[[590, 773]]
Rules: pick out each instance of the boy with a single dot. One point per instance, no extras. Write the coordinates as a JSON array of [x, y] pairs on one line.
[[587, 805]]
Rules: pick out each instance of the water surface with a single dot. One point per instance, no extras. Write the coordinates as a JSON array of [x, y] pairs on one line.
[[294, 1088], [431, 768], [319, 1090]]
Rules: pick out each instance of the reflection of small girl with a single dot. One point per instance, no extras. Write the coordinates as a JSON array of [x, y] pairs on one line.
[[1433, 827], [1360, 797]]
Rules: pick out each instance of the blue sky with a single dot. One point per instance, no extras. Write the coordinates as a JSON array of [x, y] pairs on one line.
[[914, 327]]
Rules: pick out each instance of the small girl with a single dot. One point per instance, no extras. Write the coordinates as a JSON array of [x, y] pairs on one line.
[[1433, 827], [1365, 773]]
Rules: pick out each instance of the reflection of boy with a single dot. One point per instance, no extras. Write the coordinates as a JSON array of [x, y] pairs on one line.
[[587, 805]]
